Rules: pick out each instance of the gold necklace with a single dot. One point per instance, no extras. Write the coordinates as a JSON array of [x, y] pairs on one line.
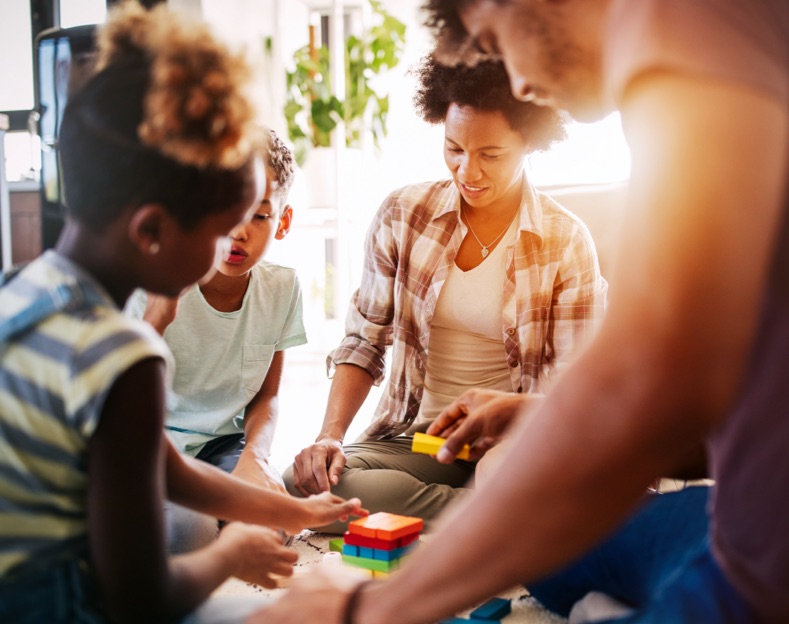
[[485, 248]]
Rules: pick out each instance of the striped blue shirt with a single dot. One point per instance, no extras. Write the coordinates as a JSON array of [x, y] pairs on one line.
[[54, 380]]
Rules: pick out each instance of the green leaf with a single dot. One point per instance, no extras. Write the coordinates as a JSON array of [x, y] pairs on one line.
[[312, 111]]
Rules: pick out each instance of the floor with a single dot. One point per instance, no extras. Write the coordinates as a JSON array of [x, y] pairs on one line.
[[311, 548]]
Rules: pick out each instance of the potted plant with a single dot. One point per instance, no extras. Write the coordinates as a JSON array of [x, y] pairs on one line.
[[312, 111]]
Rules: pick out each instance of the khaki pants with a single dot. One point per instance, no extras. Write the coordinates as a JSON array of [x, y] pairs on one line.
[[387, 476]]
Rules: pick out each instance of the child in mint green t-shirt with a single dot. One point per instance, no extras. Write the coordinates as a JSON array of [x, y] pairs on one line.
[[228, 336]]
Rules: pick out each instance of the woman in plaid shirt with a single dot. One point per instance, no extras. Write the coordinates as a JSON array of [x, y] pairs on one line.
[[478, 281]]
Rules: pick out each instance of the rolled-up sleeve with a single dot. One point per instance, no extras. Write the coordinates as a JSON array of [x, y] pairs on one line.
[[368, 325]]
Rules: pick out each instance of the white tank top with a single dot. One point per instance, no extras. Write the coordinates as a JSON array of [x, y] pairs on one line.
[[466, 348]]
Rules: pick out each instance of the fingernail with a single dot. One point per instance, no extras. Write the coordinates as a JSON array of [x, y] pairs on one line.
[[443, 455]]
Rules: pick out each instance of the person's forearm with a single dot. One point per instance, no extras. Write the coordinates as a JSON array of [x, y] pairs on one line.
[[205, 488], [561, 502], [692, 466], [349, 389], [257, 470], [193, 576], [259, 424]]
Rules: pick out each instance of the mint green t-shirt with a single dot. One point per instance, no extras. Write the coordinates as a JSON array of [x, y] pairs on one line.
[[222, 358]]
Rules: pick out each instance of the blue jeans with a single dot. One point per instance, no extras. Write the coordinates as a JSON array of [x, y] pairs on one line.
[[63, 593], [659, 563], [223, 452]]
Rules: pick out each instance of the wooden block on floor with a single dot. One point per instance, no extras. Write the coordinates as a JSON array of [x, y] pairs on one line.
[[493, 610]]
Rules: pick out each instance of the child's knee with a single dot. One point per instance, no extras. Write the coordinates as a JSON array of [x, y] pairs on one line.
[[188, 530]]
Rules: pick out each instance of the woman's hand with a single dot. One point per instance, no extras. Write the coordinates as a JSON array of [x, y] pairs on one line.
[[258, 553], [319, 466], [479, 418]]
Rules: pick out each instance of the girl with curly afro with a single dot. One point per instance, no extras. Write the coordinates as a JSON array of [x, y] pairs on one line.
[[160, 162]]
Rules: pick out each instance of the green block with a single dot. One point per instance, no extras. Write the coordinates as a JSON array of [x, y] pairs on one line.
[[371, 564], [336, 545]]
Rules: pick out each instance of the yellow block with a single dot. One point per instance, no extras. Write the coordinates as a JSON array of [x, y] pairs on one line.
[[429, 445]]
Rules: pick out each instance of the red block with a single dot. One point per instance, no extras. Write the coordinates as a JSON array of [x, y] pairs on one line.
[[370, 542], [380, 544]]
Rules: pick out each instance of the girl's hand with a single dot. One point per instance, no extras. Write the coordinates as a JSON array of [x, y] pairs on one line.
[[258, 553], [325, 508]]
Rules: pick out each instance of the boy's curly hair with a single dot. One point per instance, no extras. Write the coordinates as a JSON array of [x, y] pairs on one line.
[[167, 118], [279, 159], [484, 86]]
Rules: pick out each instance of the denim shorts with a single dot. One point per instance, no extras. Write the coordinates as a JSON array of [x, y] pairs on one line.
[[66, 594], [55, 594]]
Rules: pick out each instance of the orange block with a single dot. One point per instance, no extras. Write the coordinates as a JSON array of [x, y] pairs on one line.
[[383, 525]]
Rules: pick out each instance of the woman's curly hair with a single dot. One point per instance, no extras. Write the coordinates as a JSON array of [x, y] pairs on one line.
[[484, 86], [166, 118]]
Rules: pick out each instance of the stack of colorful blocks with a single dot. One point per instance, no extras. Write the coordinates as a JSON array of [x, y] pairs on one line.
[[379, 542]]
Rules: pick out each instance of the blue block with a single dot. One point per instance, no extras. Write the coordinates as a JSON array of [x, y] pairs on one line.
[[367, 553], [388, 555], [351, 551], [494, 609]]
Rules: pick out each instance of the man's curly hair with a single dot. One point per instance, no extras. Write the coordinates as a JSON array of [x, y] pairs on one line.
[[484, 86], [454, 46]]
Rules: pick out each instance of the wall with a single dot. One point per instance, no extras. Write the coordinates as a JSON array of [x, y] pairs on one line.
[[25, 222]]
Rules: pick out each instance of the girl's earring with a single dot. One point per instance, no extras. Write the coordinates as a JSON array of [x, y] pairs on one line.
[[154, 248]]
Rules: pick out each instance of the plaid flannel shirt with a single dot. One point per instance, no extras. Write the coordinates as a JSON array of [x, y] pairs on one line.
[[554, 295]]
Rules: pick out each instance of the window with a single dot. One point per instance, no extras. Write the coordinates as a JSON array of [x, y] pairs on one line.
[[80, 12], [592, 154], [16, 56]]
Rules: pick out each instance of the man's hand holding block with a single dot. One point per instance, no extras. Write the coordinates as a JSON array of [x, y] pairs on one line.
[[429, 445]]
